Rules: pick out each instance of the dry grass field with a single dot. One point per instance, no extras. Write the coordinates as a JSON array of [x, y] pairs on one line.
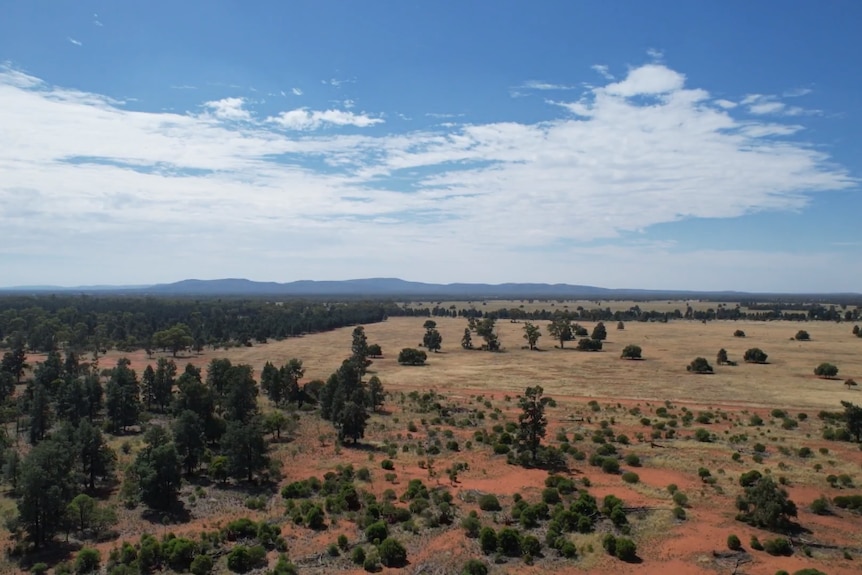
[[787, 380]]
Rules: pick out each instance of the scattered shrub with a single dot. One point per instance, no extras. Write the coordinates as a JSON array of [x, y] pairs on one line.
[[733, 542], [489, 502]]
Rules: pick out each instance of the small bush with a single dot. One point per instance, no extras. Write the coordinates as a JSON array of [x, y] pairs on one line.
[[87, 561], [610, 465], [680, 498], [626, 549], [489, 502], [630, 477], [392, 553], [474, 567], [778, 546], [733, 542], [358, 556], [387, 464]]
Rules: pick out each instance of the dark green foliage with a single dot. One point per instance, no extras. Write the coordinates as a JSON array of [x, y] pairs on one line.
[[489, 502], [158, 470], [754, 355], [609, 543], [599, 332], [766, 505], [412, 356], [699, 365], [561, 330], [733, 542], [471, 525], [851, 502], [802, 335], [122, 397], [190, 439], [488, 540], [532, 421], [739, 333], [702, 434], [532, 333], [201, 565], [474, 567], [432, 340], [242, 559], [46, 485], [626, 549], [392, 553], [376, 532], [853, 419], [509, 542], [588, 344], [87, 561], [778, 546], [826, 370], [358, 556], [630, 477], [245, 448], [179, 553], [631, 352], [721, 357]]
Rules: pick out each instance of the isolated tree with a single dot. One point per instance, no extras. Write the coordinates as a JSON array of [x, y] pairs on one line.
[[429, 324], [245, 447], [721, 357], [123, 402], [485, 330], [467, 339], [561, 330], [532, 333], [411, 356], [374, 350], [802, 335], [850, 383], [81, 510], [764, 504], [826, 370], [699, 365], [856, 330], [755, 355], [621, 325], [432, 340], [599, 332], [631, 352], [739, 333], [588, 344], [532, 420], [853, 419], [291, 373], [176, 338]]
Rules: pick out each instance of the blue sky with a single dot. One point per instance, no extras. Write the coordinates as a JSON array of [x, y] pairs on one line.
[[678, 145]]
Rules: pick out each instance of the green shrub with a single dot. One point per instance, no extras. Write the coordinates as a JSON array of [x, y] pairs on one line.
[[820, 506], [702, 435], [633, 460], [680, 498], [733, 542], [626, 549], [610, 465], [474, 567], [609, 543], [509, 542], [489, 502], [488, 540], [755, 543], [39, 568], [358, 556], [630, 477], [87, 561], [679, 513], [392, 553], [778, 546], [387, 464], [201, 565], [376, 532]]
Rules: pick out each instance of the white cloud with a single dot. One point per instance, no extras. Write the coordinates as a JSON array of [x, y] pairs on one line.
[[254, 200], [296, 91], [647, 80], [305, 119], [726, 104], [75, 42]]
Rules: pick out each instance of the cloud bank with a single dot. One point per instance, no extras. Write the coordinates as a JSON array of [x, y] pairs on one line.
[[303, 193]]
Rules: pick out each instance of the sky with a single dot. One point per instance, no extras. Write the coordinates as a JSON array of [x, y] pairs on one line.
[[712, 145]]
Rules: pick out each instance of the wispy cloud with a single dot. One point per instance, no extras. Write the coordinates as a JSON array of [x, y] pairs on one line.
[[638, 152], [763, 104], [75, 42], [604, 71], [296, 91], [96, 20], [184, 87], [539, 85]]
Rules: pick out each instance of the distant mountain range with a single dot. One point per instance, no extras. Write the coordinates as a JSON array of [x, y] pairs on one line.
[[389, 287]]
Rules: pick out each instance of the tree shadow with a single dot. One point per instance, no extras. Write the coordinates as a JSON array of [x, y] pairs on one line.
[[176, 514]]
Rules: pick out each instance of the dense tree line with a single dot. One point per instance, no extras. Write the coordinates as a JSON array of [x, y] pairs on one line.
[[85, 323]]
